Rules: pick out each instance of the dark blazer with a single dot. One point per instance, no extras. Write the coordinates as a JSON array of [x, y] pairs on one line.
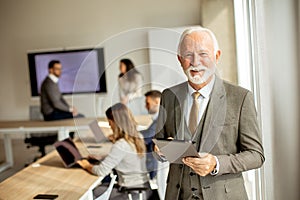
[[51, 98], [230, 132], [148, 135]]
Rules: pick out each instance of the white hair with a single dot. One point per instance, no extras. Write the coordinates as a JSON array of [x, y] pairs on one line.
[[198, 29]]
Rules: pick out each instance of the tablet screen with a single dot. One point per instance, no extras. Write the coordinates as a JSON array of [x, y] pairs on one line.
[[175, 150]]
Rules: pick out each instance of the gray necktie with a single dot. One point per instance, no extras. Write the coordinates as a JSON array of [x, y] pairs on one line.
[[193, 122]]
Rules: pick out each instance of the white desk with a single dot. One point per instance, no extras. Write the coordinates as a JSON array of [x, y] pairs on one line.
[[63, 127]]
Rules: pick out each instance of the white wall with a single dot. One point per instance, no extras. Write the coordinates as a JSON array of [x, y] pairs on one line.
[[218, 15], [282, 63], [277, 83], [165, 70], [33, 24], [273, 76]]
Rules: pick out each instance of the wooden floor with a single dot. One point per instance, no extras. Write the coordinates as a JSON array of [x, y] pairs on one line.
[[22, 156]]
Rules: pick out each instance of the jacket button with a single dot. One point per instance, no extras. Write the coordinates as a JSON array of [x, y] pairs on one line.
[[194, 189], [178, 186], [180, 166], [192, 173]]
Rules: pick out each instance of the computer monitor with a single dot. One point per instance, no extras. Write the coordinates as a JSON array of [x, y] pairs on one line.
[[83, 70]]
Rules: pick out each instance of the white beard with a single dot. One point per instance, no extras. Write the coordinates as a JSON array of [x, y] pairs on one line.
[[197, 79]]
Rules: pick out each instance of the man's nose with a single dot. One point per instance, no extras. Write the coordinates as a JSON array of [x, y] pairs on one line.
[[196, 59]]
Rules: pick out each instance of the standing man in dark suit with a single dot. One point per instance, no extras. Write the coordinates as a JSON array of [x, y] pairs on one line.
[[217, 117], [152, 102], [53, 105]]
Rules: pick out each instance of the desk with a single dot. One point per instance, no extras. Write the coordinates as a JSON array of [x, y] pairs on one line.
[[63, 127], [51, 177]]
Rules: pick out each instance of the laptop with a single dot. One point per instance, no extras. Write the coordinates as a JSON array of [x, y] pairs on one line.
[[70, 154], [97, 132]]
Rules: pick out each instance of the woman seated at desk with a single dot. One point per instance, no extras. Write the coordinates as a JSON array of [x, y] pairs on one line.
[[127, 155]]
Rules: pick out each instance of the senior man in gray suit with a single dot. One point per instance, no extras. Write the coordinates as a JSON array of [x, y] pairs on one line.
[[217, 117]]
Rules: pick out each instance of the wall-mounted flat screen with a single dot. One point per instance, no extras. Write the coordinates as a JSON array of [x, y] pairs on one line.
[[83, 70]]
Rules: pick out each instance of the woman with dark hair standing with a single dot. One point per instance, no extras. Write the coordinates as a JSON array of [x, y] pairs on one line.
[[130, 81], [127, 155]]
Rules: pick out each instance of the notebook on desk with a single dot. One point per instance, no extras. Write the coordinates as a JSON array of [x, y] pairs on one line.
[[70, 154]]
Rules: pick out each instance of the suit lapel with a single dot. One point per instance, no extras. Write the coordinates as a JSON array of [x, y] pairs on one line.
[[216, 113]]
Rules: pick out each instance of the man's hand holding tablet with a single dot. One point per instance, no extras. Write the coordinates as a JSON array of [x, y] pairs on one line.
[[184, 152], [174, 150], [203, 165]]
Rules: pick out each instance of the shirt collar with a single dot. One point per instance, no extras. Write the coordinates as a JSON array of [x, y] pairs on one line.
[[53, 78], [205, 91], [154, 116]]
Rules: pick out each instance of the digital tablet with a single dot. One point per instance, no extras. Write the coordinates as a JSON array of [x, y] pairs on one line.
[[175, 150]]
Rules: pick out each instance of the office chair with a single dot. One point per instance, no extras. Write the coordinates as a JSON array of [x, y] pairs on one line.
[[130, 191], [40, 140], [105, 196]]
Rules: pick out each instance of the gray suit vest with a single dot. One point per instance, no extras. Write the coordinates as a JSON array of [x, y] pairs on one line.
[[190, 183]]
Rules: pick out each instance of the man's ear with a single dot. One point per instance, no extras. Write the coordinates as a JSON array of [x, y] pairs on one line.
[[218, 55], [157, 101], [179, 58]]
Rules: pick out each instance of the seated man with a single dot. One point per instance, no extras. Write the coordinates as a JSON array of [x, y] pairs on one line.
[[53, 105], [152, 105]]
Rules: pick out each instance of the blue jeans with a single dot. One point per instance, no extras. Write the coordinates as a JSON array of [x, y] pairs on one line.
[[57, 115]]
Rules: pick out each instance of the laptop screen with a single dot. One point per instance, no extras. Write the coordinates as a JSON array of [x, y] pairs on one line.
[[68, 152], [97, 131]]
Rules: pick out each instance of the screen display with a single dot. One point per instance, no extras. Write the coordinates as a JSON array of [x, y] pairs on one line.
[[83, 70]]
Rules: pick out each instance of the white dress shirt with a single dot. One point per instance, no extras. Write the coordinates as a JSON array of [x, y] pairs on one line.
[[53, 78]]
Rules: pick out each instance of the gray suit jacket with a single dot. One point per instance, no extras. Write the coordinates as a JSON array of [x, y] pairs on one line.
[[230, 132], [51, 98]]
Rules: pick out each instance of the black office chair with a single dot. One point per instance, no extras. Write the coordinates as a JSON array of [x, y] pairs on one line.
[[40, 140]]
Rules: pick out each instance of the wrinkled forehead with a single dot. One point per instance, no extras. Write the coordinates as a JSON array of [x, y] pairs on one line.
[[196, 41]]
